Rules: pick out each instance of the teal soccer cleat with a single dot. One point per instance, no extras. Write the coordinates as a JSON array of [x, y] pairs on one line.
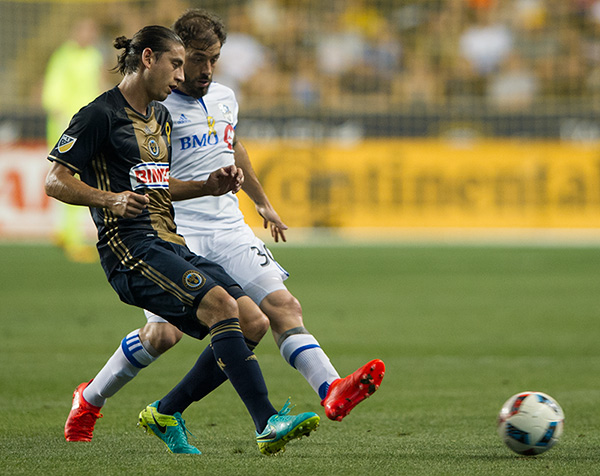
[[282, 428], [169, 428]]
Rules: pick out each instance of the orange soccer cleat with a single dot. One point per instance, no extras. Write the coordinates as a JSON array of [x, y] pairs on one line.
[[345, 393], [82, 417]]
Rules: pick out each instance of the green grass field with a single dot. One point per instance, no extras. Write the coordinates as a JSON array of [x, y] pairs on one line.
[[460, 328]]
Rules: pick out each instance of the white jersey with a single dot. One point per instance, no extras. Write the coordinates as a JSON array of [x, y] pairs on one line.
[[214, 227], [202, 142]]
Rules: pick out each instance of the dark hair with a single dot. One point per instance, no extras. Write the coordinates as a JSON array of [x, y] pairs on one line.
[[199, 28], [158, 38]]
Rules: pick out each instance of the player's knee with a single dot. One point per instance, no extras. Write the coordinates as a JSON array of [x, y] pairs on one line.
[[168, 339], [158, 337], [262, 324], [217, 305], [292, 306], [282, 306], [283, 310], [254, 323]]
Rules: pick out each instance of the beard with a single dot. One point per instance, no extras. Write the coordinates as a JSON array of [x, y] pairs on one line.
[[193, 87]]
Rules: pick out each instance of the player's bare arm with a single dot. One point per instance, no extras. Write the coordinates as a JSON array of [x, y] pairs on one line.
[[219, 182], [62, 184], [254, 190]]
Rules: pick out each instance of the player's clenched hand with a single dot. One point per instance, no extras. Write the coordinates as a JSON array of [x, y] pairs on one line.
[[128, 204], [223, 180]]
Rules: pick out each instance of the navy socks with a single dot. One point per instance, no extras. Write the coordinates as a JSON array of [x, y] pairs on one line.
[[227, 357], [241, 367]]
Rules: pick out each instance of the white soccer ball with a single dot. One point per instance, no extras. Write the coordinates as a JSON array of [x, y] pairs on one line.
[[530, 423]]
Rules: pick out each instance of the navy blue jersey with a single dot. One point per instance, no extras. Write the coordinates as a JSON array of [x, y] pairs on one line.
[[114, 148]]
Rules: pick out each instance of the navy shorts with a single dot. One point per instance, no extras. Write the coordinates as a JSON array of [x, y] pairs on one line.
[[169, 280]]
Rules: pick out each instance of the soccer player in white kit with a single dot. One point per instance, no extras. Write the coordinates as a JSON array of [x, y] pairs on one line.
[[204, 117]]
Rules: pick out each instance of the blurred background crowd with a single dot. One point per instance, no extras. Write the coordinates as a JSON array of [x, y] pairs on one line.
[[342, 58]]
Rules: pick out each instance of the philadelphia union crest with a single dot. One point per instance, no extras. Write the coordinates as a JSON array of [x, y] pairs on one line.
[[193, 280], [153, 147]]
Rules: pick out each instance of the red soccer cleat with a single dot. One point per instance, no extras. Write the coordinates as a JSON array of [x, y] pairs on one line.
[[82, 417], [345, 393]]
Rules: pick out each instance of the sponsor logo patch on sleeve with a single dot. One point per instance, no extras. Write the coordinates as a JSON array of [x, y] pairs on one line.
[[65, 143]]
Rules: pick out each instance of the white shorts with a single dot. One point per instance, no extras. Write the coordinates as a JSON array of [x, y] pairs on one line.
[[244, 257]]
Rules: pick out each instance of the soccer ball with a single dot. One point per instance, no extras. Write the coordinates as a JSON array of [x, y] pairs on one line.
[[530, 423]]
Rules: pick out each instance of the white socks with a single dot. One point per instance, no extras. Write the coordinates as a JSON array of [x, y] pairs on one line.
[[123, 366], [303, 352]]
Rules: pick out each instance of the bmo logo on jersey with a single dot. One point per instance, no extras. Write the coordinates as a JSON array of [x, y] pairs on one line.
[[208, 139], [149, 175]]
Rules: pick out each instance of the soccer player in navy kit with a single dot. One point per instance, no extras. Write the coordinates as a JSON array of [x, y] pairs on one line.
[[120, 145], [205, 115]]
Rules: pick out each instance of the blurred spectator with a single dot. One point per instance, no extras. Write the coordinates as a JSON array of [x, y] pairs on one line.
[[530, 14], [374, 72], [243, 58], [73, 78], [535, 39], [266, 16], [364, 17], [164, 12], [595, 11], [480, 4], [338, 53], [567, 75], [514, 87], [434, 52], [486, 43], [591, 50], [418, 86], [360, 54], [384, 52], [292, 44], [343, 54], [304, 83], [339, 50]]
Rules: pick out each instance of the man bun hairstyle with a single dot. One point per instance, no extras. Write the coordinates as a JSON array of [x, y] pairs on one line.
[[158, 38], [200, 28]]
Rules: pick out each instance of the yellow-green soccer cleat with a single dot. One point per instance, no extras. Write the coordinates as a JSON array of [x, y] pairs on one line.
[[169, 428], [282, 428]]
